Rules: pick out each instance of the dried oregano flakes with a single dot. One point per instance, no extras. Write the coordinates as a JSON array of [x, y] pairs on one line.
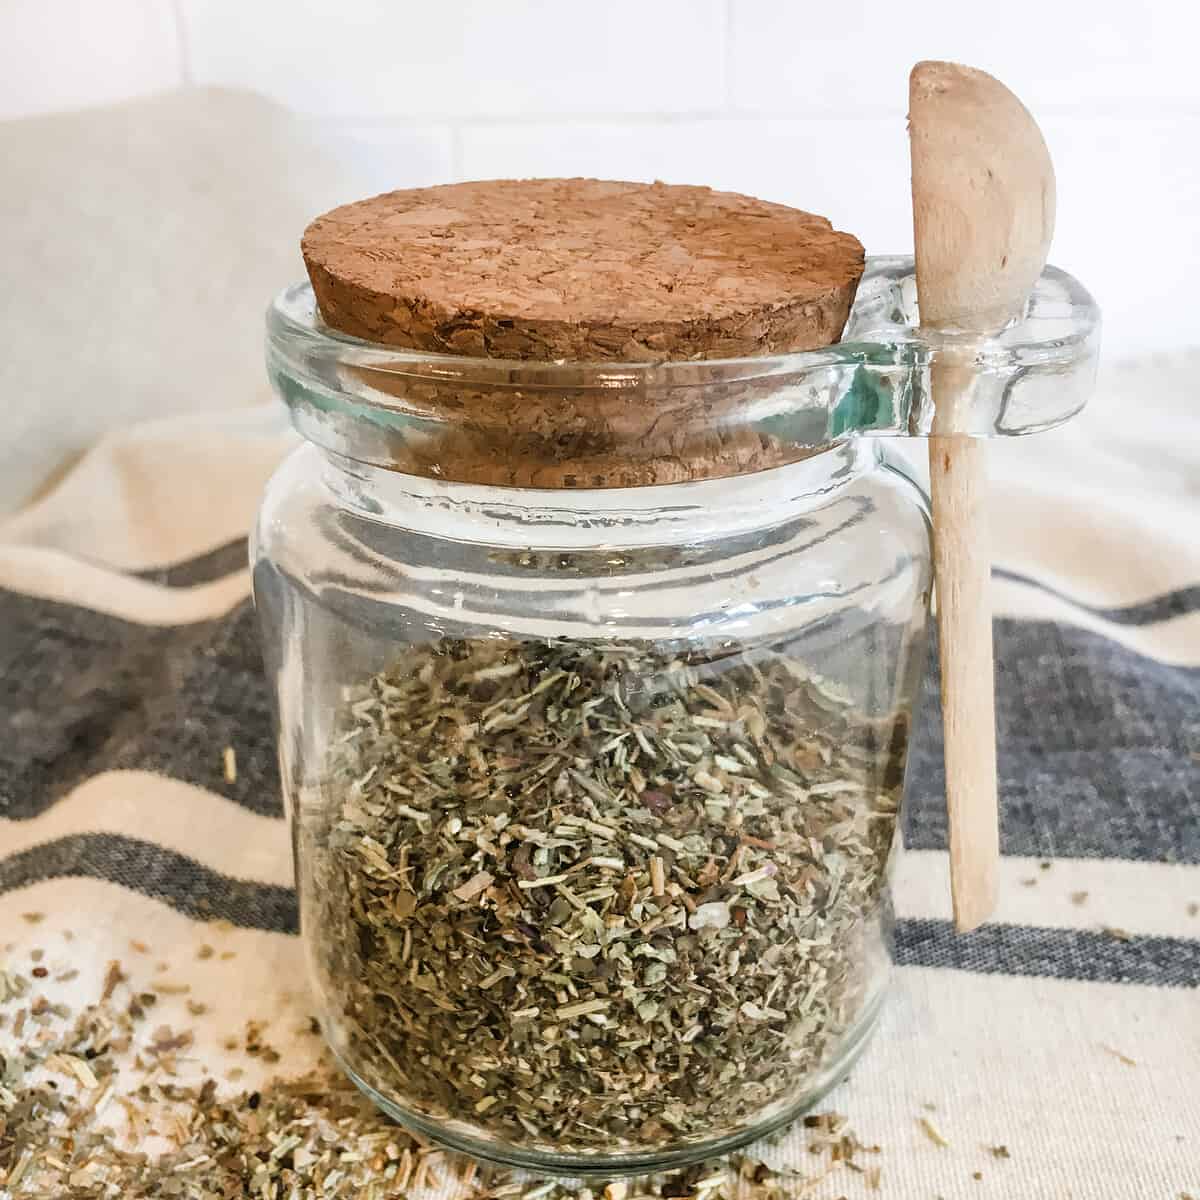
[[597, 895]]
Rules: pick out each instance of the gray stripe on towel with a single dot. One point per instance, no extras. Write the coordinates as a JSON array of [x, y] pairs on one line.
[[1081, 954], [204, 894], [181, 882], [1097, 744], [214, 564], [1166, 607]]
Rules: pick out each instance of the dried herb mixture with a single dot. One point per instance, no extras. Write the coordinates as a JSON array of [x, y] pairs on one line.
[[83, 1095], [596, 895]]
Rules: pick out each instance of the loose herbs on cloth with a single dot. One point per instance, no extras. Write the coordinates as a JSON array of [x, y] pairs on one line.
[[595, 895]]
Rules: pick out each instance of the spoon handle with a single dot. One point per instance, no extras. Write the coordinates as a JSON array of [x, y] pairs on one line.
[[962, 566]]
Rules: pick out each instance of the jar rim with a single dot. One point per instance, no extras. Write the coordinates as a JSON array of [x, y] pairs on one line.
[[606, 424]]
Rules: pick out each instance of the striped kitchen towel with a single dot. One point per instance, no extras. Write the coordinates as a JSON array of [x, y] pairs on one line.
[[140, 817]]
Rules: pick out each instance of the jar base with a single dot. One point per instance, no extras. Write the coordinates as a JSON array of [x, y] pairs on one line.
[[635, 1162]]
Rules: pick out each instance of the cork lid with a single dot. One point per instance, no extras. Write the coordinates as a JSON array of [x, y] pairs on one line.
[[582, 270]]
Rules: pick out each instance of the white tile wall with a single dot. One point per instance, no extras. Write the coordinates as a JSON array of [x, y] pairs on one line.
[[399, 155], [793, 101], [60, 54], [1128, 190], [855, 171], [468, 58], [1129, 223], [854, 56]]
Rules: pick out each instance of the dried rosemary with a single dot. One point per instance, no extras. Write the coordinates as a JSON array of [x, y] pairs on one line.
[[596, 895]]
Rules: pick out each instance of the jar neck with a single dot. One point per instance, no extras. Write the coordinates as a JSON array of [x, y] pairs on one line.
[[675, 512]]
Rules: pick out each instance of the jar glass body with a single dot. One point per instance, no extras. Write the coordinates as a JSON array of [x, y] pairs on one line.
[[593, 793]]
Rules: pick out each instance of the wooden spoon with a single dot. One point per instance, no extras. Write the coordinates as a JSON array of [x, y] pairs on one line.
[[983, 215]]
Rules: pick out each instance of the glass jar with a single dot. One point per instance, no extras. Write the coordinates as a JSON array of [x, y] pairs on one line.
[[594, 686]]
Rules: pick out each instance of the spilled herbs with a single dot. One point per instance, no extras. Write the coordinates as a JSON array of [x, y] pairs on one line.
[[92, 1107]]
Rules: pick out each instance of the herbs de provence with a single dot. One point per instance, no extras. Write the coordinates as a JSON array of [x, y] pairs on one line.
[[590, 895]]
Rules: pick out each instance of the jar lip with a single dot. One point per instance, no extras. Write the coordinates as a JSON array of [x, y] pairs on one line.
[[1062, 315], [607, 424]]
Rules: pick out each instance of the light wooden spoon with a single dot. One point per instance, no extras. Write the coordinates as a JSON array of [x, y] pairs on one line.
[[983, 215]]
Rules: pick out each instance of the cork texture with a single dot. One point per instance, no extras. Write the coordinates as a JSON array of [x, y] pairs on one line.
[[582, 270]]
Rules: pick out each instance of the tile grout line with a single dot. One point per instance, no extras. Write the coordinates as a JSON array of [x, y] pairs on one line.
[[462, 121], [186, 75], [727, 60]]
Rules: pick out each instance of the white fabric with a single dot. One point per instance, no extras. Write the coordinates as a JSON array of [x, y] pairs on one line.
[[1032, 1064], [140, 245]]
